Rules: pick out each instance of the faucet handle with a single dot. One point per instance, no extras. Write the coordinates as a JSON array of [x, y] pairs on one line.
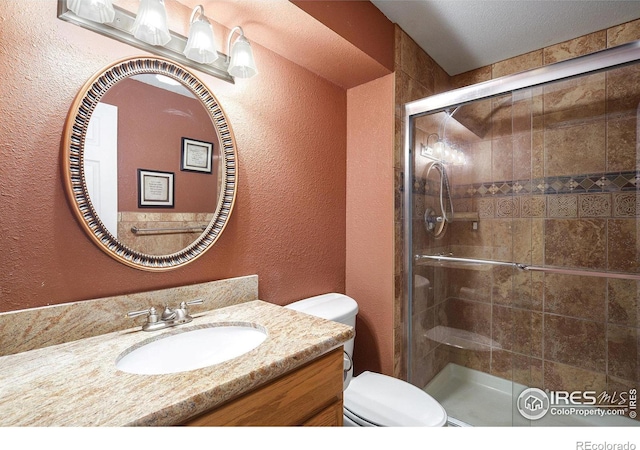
[[151, 312], [183, 305], [197, 301]]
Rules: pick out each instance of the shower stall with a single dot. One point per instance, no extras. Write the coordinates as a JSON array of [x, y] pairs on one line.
[[522, 245]]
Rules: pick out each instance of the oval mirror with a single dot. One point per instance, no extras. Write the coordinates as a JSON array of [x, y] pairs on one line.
[[149, 163]]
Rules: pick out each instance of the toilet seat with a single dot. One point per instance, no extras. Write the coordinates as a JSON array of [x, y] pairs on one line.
[[373, 399]]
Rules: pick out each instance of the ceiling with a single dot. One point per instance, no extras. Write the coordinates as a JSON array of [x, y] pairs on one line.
[[462, 35]]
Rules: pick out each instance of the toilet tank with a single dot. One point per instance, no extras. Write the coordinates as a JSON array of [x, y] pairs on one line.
[[336, 307]]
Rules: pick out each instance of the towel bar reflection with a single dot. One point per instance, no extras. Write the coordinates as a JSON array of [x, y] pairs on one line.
[[580, 272], [136, 230]]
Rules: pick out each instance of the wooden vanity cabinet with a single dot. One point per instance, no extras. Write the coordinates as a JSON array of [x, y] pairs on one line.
[[310, 396]]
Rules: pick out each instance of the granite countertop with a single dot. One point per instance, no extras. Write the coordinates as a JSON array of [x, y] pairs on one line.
[[77, 383]]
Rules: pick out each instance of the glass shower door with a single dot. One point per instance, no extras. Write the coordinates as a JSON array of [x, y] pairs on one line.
[[464, 318], [530, 291]]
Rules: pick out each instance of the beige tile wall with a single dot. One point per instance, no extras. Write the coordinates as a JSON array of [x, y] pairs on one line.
[[417, 76], [552, 331]]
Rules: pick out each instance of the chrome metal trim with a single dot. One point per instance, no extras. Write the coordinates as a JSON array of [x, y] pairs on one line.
[[453, 422], [579, 272], [520, 266], [465, 260], [407, 230], [582, 65], [136, 230]]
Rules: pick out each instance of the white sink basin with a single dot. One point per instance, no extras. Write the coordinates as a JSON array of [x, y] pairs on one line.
[[191, 349]]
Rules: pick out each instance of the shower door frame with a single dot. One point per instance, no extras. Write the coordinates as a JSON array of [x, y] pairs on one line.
[[595, 62]]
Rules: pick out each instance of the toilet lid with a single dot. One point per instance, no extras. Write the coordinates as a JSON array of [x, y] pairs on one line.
[[386, 401]]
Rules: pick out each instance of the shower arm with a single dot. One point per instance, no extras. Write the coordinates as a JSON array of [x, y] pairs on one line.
[[442, 130], [530, 268]]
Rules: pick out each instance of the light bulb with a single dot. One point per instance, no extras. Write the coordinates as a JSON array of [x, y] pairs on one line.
[[242, 64], [100, 11], [150, 25], [201, 45]]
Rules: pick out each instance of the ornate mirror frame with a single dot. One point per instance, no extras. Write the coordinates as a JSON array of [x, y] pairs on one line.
[[74, 135]]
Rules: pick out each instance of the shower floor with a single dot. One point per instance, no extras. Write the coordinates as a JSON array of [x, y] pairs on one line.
[[474, 398]]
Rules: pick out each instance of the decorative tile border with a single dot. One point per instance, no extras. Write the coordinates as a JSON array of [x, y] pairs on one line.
[[610, 195], [604, 205], [595, 205], [562, 206], [577, 184], [507, 206], [486, 207], [626, 205], [533, 206]]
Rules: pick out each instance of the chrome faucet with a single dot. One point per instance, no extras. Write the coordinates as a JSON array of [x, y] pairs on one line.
[[168, 318]]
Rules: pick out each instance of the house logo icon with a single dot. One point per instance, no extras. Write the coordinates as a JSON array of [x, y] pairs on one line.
[[533, 404]]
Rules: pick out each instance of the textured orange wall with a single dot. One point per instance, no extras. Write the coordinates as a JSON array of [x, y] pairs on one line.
[[288, 225], [370, 218], [359, 22]]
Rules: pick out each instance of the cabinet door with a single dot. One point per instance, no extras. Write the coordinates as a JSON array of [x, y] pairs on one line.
[[331, 416], [292, 399]]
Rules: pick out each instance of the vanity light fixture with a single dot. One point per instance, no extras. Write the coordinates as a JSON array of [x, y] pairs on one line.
[[148, 31], [201, 46], [100, 11], [241, 62], [151, 23]]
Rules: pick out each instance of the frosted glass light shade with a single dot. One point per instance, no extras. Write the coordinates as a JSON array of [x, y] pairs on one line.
[[242, 64], [201, 46], [100, 11], [150, 25]]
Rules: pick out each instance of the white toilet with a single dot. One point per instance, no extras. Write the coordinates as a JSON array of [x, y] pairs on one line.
[[372, 399]]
